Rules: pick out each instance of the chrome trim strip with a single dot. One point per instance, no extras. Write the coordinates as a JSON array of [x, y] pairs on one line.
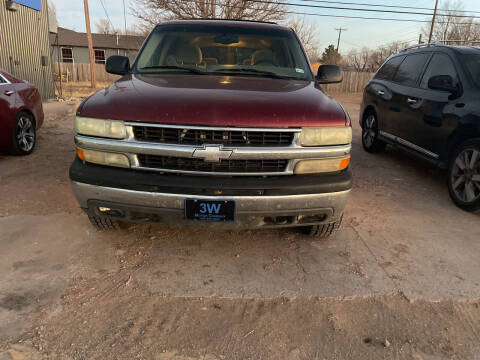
[[238, 153], [409, 144], [245, 204], [6, 81], [207, 128]]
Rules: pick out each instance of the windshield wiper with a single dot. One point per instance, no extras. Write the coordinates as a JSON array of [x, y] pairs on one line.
[[174, 67], [256, 72]]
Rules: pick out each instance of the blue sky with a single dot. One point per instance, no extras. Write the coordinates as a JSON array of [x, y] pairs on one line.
[[370, 33]]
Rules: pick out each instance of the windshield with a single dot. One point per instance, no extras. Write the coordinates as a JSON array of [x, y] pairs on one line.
[[472, 64], [236, 51]]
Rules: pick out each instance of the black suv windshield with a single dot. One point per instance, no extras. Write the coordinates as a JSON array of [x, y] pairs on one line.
[[224, 50], [472, 64]]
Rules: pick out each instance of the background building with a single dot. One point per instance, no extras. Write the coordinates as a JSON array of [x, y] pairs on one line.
[[24, 43], [69, 46]]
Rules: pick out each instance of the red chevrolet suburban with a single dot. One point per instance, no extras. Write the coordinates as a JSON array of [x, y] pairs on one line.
[[217, 123]]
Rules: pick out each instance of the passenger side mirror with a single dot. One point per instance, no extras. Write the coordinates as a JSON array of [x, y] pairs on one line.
[[118, 65], [442, 83], [329, 74]]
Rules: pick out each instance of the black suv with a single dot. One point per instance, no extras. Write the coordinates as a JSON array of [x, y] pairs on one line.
[[426, 101]]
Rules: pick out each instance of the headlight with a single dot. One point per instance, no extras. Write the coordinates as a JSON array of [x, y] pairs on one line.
[[103, 158], [322, 136], [101, 128], [321, 166]]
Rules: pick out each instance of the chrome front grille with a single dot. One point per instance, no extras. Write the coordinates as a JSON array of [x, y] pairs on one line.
[[201, 136], [200, 150], [223, 166]]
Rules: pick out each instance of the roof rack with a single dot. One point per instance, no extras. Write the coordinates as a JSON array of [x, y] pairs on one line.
[[418, 46], [466, 42], [441, 43]]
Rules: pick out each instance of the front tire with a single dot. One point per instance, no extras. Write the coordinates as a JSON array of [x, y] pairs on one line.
[[324, 231], [464, 176], [370, 141], [24, 134], [103, 223]]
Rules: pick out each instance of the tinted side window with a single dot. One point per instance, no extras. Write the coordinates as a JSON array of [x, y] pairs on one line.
[[410, 69], [1, 80], [439, 65], [388, 69], [472, 64]]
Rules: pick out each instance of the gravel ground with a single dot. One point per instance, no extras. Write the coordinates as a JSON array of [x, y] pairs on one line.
[[400, 280]]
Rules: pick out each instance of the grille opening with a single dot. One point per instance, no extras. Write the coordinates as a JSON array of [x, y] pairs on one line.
[[279, 220], [226, 166], [205, 136], [305, 219]]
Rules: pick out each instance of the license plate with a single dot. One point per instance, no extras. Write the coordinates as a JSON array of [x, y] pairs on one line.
[[209, 210]]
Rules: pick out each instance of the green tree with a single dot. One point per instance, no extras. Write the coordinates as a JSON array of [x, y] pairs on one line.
[[331, 56]]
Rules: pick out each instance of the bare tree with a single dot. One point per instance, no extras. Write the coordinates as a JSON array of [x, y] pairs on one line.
[[369, 60], [448, 27], [307, 32], [103, 26], [359, 60], [151, 12]]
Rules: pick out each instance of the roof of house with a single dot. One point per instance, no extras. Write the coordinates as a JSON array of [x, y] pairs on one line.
[[72, 38]]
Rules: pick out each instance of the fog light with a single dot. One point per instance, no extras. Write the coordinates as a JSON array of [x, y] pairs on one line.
[[103, 158], [322, 166]]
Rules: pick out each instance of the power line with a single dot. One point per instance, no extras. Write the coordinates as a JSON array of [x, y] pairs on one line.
[[356, 9], [324, 15], [106, 14], [387, 6], [373, 10]]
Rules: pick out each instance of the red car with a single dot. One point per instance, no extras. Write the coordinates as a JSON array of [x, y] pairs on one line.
[[21, 114], [216, 123]]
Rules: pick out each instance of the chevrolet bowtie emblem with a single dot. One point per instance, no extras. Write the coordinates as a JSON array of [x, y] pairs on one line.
[[212, 153]]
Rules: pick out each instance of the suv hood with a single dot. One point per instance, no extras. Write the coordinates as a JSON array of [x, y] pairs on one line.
[[215, 101]]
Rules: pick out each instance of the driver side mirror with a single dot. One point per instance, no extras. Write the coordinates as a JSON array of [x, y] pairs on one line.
[[118, 65], [442, 83], [329, 74]]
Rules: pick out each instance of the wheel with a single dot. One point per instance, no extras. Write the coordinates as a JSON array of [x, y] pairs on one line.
[[24, 134], [464, 176], [370, 140], [324, 231], [103, 223]]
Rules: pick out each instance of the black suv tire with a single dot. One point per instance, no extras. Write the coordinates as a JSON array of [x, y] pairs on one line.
[[464, 184], [370, 141], [103, 223]]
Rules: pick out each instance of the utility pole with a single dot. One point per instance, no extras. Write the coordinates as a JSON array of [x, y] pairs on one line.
[[339, 35], [125, 17], [433, 22], [90, 45]]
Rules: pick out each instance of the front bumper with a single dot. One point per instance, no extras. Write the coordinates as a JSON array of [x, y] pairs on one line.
[[260, 202]]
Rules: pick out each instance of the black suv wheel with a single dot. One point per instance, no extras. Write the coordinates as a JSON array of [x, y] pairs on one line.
[[464, 175], [370, 140]]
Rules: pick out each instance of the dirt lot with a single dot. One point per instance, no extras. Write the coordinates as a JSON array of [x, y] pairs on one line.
[[401, 280]]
